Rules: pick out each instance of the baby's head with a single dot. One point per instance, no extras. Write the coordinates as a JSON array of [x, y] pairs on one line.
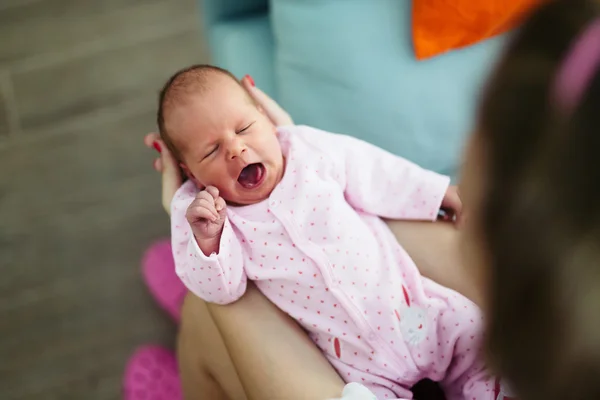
[[531, 184], [219, 135]]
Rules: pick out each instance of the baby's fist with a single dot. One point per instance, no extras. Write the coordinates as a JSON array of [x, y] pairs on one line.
[[206, 214]]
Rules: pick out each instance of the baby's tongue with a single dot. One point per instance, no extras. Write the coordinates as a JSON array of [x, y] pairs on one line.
[[250, 176]]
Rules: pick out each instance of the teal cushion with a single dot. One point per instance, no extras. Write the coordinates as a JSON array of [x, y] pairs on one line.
[[245, 46], [348, 67]]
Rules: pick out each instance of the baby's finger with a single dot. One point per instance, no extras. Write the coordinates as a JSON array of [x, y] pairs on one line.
[[200, 212], [204, 195], [213, 191], [207, 203], [220, 204]]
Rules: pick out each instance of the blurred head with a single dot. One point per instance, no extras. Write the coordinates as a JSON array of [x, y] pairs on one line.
[[531, 182], [219, 135]]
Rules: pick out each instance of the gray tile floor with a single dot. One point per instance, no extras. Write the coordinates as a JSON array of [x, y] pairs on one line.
[[79, 201]]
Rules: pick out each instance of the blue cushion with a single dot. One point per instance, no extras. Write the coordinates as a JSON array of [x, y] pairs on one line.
[[348, 67], [244, 45], [213, 11]]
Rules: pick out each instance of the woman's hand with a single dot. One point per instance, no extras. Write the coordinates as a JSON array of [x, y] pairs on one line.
[[276, 114], [167, 165], [453, 203], [168, 168]]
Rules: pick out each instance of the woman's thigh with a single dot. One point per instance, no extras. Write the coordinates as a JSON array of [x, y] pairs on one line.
[[250, 349], [205, 366], [273, 356]]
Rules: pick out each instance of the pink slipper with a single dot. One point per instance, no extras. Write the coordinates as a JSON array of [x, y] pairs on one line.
[[151, 374], [158, 270]]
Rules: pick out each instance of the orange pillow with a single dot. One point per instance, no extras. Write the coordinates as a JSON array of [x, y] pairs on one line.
[[442, 25]]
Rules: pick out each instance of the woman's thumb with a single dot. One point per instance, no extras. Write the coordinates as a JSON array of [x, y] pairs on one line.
[[171, 177], [276, 114]]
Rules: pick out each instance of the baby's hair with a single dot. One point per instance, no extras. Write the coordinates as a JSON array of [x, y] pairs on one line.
[[190, 80], [540, 219]]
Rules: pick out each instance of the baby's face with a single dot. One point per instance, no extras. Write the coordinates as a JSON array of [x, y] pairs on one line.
[[226, 141]]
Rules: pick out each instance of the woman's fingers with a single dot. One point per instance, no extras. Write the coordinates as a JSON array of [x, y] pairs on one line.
[[150, 138], [276, 114], [157, 165], [168, 167], [171, 178]]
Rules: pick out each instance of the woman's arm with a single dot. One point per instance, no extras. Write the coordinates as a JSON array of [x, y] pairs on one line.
[[434, 247]]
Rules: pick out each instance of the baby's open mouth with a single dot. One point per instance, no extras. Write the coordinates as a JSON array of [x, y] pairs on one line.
[[252, 176]]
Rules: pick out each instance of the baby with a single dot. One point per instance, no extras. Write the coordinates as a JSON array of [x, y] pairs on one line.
[[297, 210]]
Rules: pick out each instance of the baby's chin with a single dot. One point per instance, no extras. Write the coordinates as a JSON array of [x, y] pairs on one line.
[[243, 201], [245, 197]]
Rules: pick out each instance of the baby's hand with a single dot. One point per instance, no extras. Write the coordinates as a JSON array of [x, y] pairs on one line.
[[452, 202], [206, 216]]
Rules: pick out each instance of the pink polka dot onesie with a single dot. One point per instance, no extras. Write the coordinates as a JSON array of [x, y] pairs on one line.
[[319, 250]]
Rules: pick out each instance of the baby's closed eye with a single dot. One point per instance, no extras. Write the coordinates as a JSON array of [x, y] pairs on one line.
[[245, 128]]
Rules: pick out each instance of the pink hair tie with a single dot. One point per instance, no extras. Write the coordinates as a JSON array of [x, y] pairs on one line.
[[578, 68]]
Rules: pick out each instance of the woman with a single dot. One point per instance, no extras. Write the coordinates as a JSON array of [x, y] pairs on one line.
[[531, 241]]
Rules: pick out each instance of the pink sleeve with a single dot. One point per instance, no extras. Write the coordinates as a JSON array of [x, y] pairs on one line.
[[219, 278], [381, 183]]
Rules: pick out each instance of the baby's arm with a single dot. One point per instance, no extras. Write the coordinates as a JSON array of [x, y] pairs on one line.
[[210, 263], [379, 182]]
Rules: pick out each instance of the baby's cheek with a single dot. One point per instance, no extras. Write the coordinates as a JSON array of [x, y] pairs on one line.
[[227, 194]]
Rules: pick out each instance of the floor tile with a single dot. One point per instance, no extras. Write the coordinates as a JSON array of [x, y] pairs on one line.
[[3, 116], [77, 211], [51, 96], [50, 27]]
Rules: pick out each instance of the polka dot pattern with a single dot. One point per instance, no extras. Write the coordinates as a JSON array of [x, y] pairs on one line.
[[318, 249]]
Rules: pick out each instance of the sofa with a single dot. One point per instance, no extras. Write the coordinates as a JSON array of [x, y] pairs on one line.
[[348, 66]]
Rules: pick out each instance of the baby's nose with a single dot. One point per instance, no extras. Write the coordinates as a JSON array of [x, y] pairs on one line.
[[236, 149]]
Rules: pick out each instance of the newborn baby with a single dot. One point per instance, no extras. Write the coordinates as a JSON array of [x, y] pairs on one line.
[[297, 210]]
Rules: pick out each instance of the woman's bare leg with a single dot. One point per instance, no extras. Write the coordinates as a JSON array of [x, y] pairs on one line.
[[273, 356], [205, 367]]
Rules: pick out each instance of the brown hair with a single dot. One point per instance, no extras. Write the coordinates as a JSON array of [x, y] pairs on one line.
[[192, 79], [540, 220]]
